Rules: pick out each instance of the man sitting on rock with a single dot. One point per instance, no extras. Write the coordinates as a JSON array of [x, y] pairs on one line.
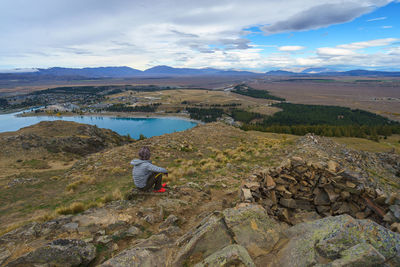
[[146, 175]]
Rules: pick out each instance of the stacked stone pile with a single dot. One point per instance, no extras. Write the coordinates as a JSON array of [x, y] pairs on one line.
[[324, 189]]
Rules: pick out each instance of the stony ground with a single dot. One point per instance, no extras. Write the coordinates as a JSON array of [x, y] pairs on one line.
[[218, 208]]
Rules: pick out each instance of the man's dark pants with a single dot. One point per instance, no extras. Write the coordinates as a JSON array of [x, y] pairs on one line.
[[154, 181]]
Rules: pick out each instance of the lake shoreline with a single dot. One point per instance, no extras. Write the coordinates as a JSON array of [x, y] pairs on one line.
[[148, 124], [139, 115]]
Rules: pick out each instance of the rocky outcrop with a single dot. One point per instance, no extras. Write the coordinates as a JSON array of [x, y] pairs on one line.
[[339, 241], [247, 236], [246, 225], [381, 169], [62, 136], [34, 230], [4, 255], [299, 186], [61, 252], [138, 257], [147, 253], [209, 236], [252, 228], [232, 255]]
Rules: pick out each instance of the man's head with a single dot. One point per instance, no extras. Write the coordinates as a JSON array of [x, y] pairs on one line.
[[144, 153]]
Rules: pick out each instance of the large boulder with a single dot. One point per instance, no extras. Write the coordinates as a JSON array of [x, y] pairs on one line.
[[360, 255], [247, 225], [210, 236], [339, 239], [138, 257], [60, 252], [232, 255], [252, 228], [149, 252]]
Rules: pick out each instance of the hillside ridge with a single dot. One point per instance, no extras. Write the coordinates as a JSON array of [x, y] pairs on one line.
[[219, 208]]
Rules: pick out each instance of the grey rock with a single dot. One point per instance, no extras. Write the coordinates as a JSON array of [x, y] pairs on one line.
[[150, 218], [71, 227], [330, 237], [116, 225], [133, 231], [210, 236], [170, 220], [4, 255], [101, 232], [60, 252], [153, 241], [171, 230], [300, 217], [288, 203], [104, 239], [389, 217], [246, 195], [27, 232], [138, 257], [396, 211], [232, 255], [172, 204], [252, 228], [360, 255], [321, 197]]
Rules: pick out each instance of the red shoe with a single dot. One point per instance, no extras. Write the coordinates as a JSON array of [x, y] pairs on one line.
[[164, 185], [162, 190]]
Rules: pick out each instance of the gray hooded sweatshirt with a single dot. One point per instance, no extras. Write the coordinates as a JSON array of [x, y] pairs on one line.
[[142, 169]]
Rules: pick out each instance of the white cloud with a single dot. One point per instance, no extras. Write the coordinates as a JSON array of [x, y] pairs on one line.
[[347, 55], [290, 48], [387, 27], [371, 43], [375, 19], [334, 51], [141, 34]]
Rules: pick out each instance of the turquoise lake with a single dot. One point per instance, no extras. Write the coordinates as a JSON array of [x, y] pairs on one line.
[[133, 126]]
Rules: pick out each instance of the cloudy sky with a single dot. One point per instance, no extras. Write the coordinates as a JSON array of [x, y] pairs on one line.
[[257, 35]]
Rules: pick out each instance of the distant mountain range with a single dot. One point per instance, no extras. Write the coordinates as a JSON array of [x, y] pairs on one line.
[[327, 72], [126, 72], [166, 71]]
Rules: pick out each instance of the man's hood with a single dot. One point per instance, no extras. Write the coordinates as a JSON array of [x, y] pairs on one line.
[[137, 162]]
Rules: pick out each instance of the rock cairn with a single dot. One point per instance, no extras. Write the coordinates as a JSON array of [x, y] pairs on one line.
[[324, 189]]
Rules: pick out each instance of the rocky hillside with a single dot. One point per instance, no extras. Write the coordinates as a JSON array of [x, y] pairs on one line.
[[59, 136], [234, 199], [33, 159]]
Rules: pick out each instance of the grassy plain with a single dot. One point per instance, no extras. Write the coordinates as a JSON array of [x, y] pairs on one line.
[[173, 100], [381, 96]]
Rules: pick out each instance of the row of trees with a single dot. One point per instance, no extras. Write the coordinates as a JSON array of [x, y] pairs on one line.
[[211, 105], [244, 116], [205, 114], [125, 108], [246, 90], [299, 114], [3, 103], [363, 131]]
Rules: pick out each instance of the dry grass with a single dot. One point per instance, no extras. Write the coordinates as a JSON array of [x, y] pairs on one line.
[[384, 145], [45, 217], [74, 208], [12, 227], [73, 186]]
